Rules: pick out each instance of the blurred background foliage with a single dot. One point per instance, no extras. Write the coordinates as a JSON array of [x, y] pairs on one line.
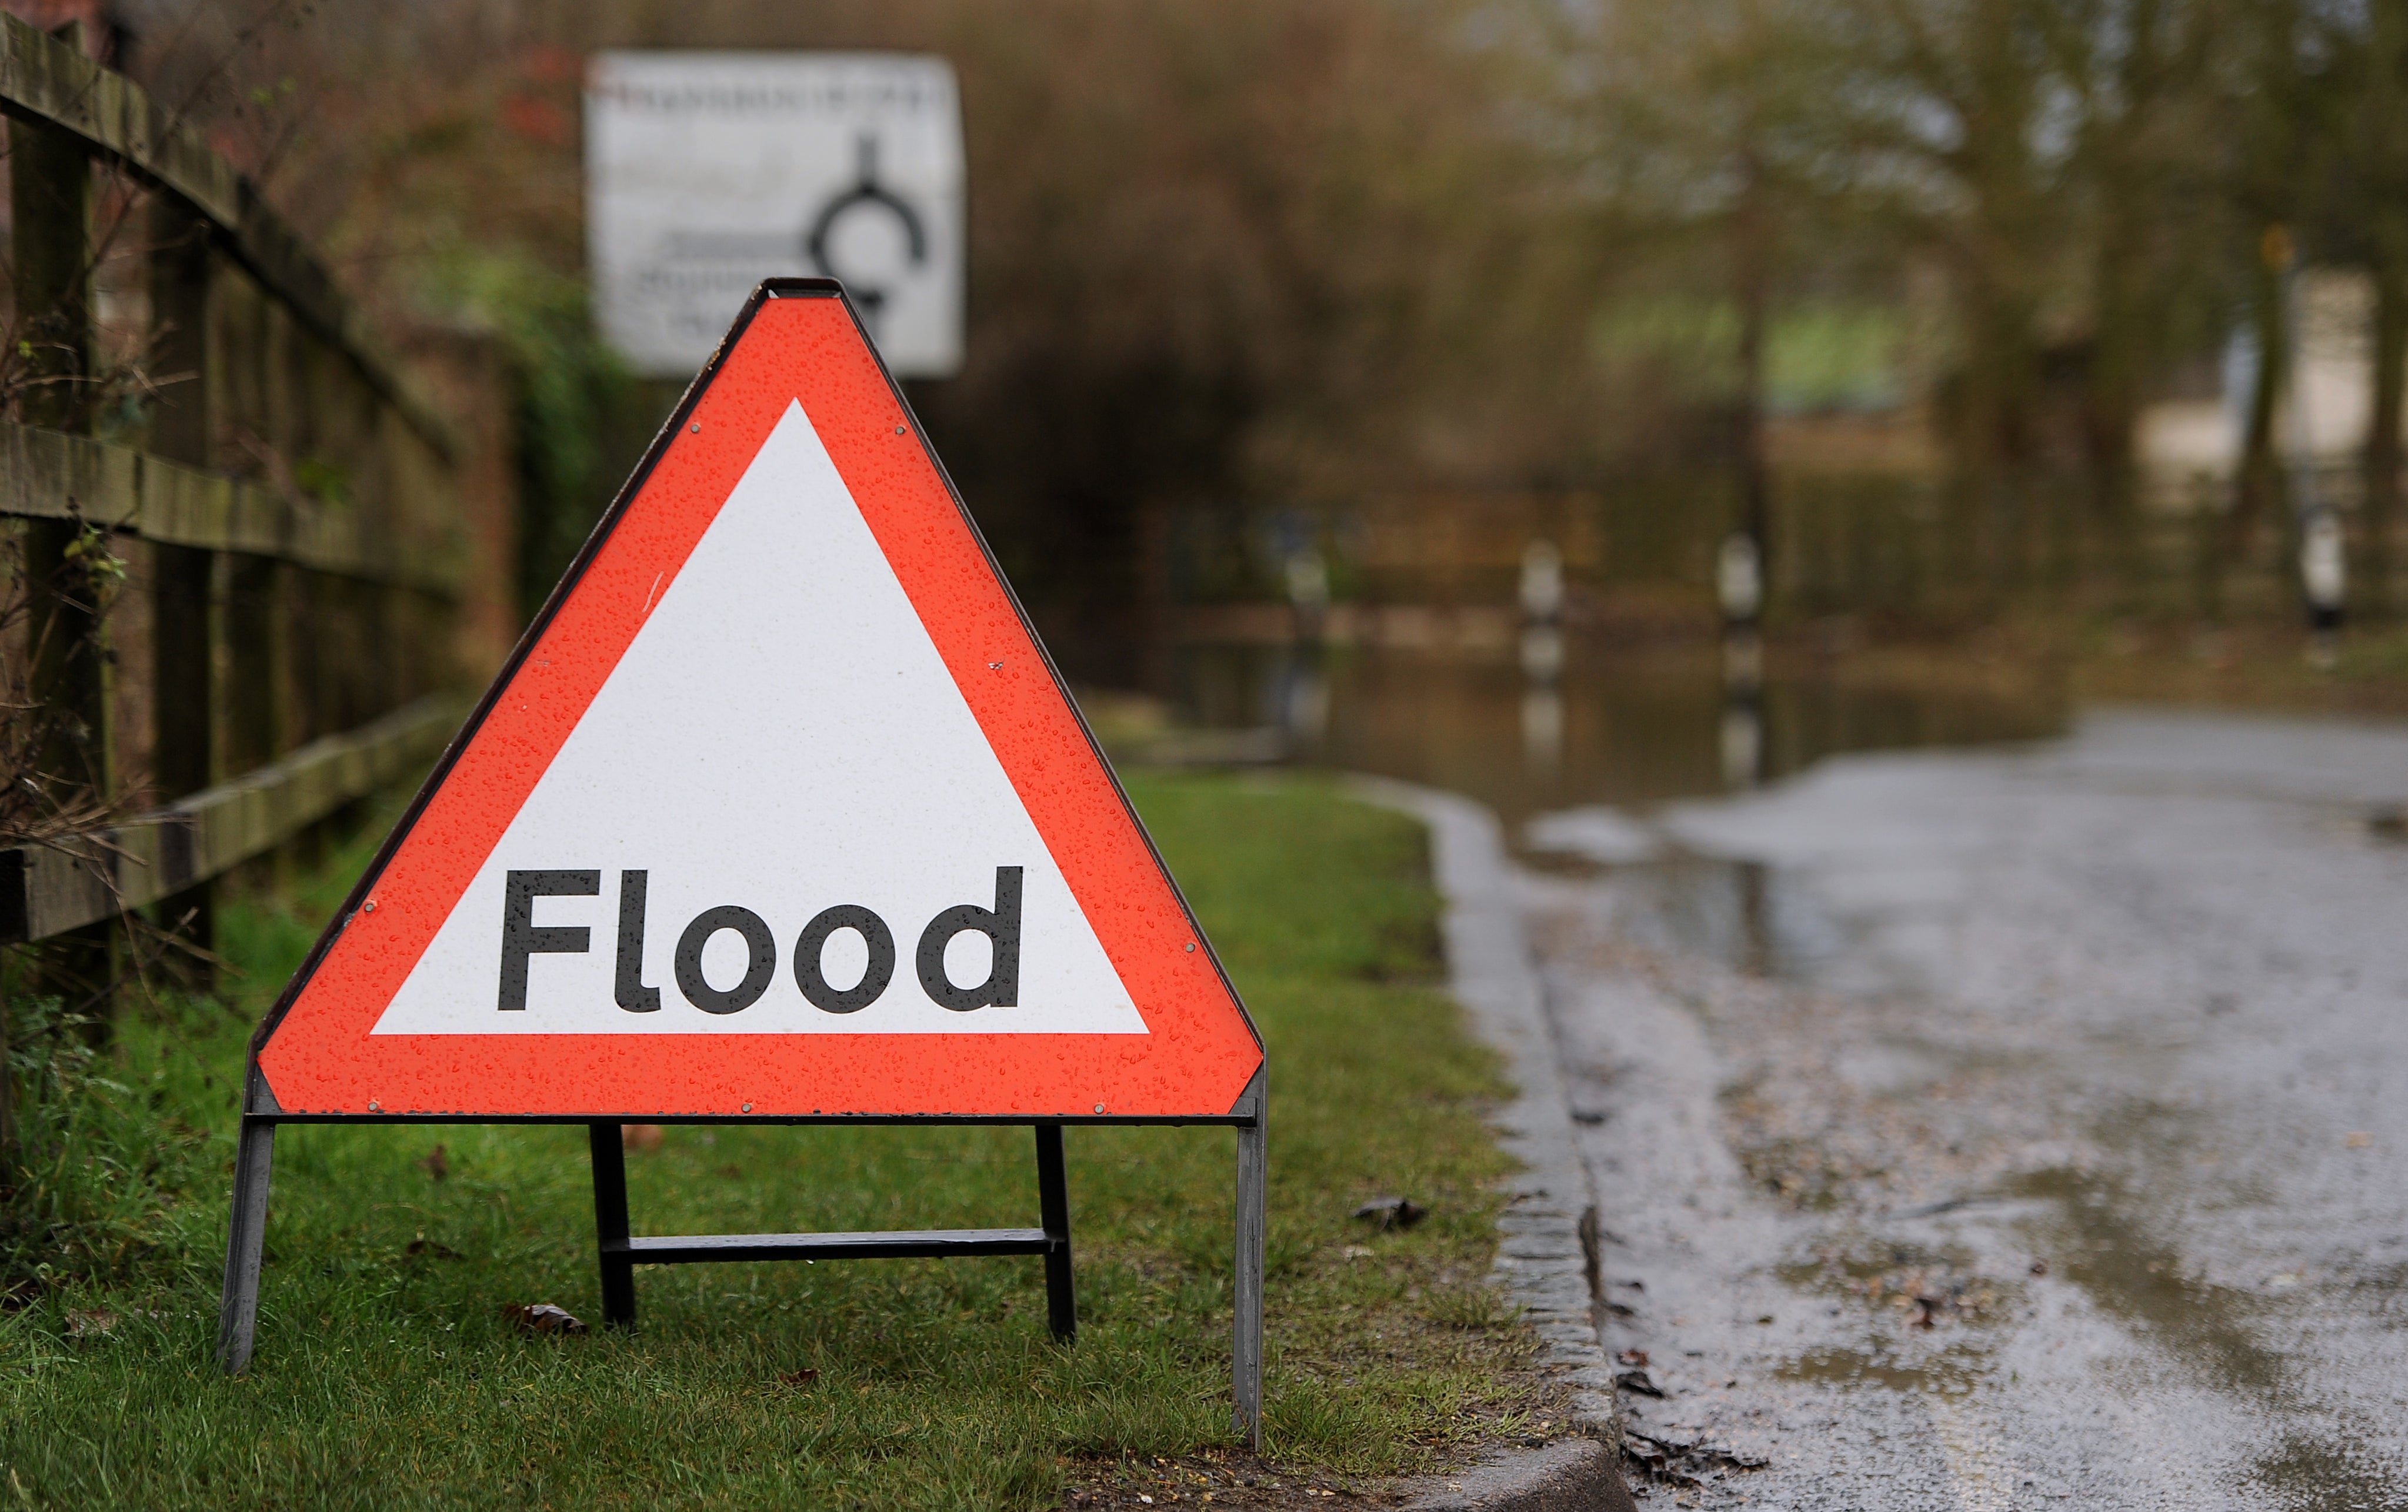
[[1296, 252]]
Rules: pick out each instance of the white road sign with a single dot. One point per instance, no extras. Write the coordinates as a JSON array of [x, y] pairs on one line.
[[708, 172]]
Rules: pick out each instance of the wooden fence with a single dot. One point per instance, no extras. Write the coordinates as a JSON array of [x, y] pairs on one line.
[[285, 506]]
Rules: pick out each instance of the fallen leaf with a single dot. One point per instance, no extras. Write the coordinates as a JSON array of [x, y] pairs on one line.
[[731, 1172], [92, 1324], [426, 1249], [641, 1137], [1633, 1356], [1386, 1213], [543, 1318], [1667, 1458], [808, 1375], [437, 1164]]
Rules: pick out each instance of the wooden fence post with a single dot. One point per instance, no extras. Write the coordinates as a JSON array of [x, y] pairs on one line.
[[257, 696], [183, 428], [50, 179]]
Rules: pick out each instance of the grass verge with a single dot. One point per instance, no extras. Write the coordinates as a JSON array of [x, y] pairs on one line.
[[387, 1375]]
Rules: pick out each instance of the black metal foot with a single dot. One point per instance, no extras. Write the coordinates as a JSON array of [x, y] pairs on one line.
[[610, 1225], [1053, 1202]]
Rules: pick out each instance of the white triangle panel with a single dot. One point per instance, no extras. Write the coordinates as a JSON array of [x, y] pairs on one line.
[[785, 646]]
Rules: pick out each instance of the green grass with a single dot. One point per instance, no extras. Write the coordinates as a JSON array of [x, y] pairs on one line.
[[386, 1375]]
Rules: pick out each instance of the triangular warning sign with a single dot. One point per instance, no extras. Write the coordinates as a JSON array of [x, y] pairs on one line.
[[778, 810]]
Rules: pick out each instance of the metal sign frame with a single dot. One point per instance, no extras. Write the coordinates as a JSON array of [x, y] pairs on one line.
[[619, 1251]]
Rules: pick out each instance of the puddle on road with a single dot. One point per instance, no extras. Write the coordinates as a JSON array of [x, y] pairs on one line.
[[1739, 914], [2315, 1475], [1958, 1370], [2102, 1247]]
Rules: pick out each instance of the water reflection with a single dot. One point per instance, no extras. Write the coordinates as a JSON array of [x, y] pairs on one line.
[[1542, 657], [1742, 706], [1563, 725], [1542, 728], [1303, 700]]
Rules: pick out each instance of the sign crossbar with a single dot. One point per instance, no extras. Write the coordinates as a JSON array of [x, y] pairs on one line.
[[918, 1244], [621, 1251]]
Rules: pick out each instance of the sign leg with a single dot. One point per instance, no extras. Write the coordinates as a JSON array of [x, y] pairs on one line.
[[610, 1225], [246, 1241], [1246, 1359], [1053, 1202]]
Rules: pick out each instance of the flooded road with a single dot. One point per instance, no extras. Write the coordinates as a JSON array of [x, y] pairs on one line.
[[2006, 1128], [1608, 730]]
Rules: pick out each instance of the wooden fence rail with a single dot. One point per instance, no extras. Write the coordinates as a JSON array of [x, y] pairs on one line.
[[46, 474], [287, 512], [47, 889]]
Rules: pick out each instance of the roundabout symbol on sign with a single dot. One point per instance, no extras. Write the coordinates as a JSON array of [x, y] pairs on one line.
[[866, 193]]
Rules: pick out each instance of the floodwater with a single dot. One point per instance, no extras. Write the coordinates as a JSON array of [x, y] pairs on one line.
[[1601, 730], [1986, 1108]]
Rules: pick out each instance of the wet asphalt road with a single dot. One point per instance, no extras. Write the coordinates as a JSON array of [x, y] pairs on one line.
[[2021, 1129]]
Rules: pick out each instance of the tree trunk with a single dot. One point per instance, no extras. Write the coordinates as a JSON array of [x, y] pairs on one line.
[[2111, 407], [2261, 492], [1752, 254], [2390, 386]]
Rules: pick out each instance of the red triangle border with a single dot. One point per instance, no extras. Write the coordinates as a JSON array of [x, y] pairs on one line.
[[796, 339]]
